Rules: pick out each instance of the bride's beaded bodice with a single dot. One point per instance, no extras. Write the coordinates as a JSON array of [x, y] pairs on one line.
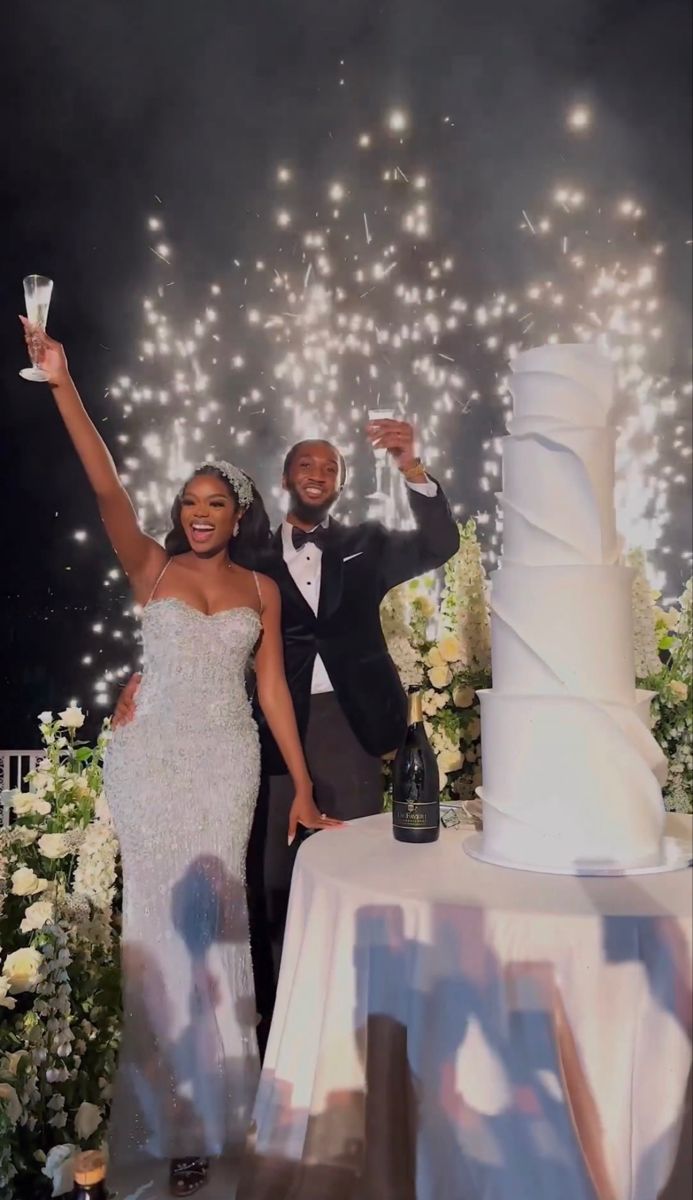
[[195, 664]]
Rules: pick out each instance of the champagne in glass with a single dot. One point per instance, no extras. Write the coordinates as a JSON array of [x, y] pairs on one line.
[[37, 298], [379, 414]]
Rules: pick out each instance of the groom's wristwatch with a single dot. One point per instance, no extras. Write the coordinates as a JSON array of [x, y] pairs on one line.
[[415, 472]]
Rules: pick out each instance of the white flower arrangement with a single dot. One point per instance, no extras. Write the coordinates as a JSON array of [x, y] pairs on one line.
[[59, 973], [445, 649]]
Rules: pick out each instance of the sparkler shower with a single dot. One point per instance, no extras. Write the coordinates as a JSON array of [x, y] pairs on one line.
[[354, 305]]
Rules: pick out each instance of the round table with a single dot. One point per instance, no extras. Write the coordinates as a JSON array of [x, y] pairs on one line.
[[449, 1030]]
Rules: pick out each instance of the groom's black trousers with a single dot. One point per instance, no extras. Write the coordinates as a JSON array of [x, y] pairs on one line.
[[348, 784]]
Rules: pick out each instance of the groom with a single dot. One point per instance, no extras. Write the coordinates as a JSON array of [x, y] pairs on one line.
[[349, 702]]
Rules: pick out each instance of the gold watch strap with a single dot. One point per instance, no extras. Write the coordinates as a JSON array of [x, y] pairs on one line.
[[414, 469]]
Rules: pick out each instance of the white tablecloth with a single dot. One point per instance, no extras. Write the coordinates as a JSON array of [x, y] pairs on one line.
[[448, 1030]]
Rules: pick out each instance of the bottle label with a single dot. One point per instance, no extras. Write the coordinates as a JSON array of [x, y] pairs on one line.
[[415, 816]]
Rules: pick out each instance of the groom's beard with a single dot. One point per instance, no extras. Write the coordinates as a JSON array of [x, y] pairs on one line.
[[309, 514]]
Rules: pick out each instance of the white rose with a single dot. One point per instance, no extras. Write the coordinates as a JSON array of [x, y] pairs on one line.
[[21, 836], [5, 1000], [10, 1099], [29, 804], [450, 649], [440, 676], [678, 689], [72, 717], [450, 760], [463, 697], [60, 1168], [434, 657], [26, 883], [102, 812], [45, 718], [11, 1061], [41, 783], [53, 845], [36, 916], [87, 1120], [22, 969]]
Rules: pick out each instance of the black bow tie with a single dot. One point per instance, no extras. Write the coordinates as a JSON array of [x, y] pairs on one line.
[[318, 536]]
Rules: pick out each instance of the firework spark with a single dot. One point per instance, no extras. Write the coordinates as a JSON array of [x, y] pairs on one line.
[[355, 308]]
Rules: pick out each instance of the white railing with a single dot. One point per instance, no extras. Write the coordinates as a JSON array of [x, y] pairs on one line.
[[14, 766]]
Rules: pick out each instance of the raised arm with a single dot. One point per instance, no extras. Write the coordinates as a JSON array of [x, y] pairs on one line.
[[406, 554], [275, 701], [140, 556]]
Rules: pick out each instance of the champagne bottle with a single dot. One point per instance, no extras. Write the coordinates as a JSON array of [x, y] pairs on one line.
[[415, 786], [90, 1176]]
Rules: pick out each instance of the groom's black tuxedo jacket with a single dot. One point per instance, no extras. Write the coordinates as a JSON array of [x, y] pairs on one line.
[[360, 564]]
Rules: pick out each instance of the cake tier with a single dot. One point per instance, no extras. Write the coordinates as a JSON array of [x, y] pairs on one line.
[[563, 630], [540, 398], [558, 505], [569, 783], [580, 363]]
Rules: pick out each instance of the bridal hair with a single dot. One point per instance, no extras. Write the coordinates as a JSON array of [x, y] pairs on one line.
[[252, 530]]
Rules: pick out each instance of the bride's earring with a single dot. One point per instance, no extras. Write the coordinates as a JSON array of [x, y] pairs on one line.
[[235, 532]]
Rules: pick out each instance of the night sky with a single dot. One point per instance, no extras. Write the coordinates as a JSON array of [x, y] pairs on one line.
[[110, 103]]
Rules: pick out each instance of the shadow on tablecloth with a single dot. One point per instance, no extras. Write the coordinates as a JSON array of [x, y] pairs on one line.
[[427, 1014], [657, 943]]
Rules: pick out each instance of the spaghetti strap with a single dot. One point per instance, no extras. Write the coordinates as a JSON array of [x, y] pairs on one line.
[[259, 592], [158, 581]]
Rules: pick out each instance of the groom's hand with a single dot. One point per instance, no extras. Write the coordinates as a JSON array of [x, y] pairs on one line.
[[126, 707], [397, 437]]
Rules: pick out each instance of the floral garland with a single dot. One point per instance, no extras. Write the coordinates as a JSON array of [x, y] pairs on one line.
[[59, 970]]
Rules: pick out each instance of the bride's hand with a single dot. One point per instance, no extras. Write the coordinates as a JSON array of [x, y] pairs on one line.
[[303, 812], [46, 353]]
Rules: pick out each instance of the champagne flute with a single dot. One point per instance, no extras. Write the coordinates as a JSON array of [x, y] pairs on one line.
[[379, 414], [37, 297]]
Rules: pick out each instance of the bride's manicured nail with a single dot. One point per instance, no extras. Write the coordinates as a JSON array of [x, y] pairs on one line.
[[291, 837]]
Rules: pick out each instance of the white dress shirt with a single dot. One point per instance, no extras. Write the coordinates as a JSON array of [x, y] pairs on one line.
[[305, 568]]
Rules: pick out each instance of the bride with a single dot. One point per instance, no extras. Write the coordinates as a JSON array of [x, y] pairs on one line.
[[181, 782]]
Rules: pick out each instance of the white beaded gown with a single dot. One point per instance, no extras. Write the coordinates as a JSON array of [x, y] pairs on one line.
[[181, 782]]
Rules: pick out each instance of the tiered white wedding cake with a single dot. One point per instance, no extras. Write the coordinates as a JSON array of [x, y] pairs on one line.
[[571, 771]]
